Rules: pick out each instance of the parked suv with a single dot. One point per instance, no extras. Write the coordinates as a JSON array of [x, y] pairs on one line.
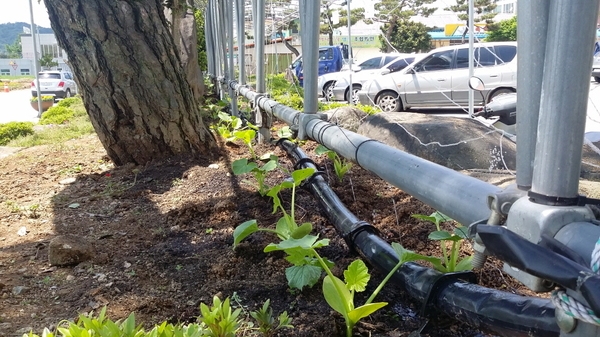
[[441, 78], [55, 82]]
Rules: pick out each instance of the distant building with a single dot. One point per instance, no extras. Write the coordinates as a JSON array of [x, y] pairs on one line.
[[25, 66]]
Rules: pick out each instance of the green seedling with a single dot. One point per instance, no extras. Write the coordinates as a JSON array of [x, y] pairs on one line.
[[220, 319], [306, 269], [340, 166], [266, 321], [227, 125], [243, 166], [450, 261]]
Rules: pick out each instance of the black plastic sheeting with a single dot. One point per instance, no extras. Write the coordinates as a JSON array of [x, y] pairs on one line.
[[455, 295]]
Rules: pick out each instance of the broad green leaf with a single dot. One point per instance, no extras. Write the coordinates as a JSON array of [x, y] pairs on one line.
[[357, 276], [364, 311], [298, 257], [224, 116], [284, 227], [236, 123], [406, 255], [300, 276], [304, 243], [242, 166], [337, 295], [269, 166], [462, 231], [440, 235], [424, 217], [284, 132], [246, 135], [267, 156], [243, 230], [321, 149], [301, 174], [464, 264]]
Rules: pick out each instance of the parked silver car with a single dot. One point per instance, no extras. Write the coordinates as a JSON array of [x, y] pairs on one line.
[[341, 90], [58, 83], [441, 79], [326, 82], [596, 65]]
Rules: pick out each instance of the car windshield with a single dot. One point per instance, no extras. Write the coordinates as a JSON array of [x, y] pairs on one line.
[[49, 75]]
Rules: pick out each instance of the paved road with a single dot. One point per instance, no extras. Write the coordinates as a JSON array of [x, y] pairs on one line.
[[15, 107]]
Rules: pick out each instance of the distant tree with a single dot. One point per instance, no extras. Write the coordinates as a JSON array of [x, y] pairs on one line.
[[406, 37], [394, 12], [484, 12], [327, 25], [47, 61], [505, 30], [15, 50]]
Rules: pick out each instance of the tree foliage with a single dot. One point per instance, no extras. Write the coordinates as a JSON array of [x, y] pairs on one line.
[[484, 12], [505, 30], [14, 50], [327, 24], [202, 57], [393, 12], [407, 37], [47, 61]]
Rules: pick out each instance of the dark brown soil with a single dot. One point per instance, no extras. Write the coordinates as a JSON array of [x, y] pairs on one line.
[[162, 236]]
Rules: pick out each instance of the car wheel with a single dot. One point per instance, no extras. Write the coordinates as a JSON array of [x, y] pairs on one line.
[[328, 91], [597, 78], [499, 92], [68, 93], [355, 89], [389, 102]]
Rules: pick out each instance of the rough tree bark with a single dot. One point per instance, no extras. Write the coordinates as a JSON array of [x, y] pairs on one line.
[[131, 79]]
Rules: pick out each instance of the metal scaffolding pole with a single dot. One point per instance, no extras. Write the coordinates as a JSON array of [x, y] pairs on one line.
[[565, 91], [228, 4], [532, 32], [241, 40], [310, 54]]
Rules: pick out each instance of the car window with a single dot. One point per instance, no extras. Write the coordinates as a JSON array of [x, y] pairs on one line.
[[400, 64], [325, 54], [50, 75], [68, 76], [505, 53], [389, 59], [462, 58], [438, 61], [372, 63], [485, 57]]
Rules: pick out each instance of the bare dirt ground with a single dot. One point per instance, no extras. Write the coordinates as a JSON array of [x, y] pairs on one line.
[[162, 239]]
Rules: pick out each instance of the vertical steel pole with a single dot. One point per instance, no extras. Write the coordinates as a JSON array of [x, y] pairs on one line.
[[471, 53], [35, 61], [229, 5], [310, 55], [259, 44], [532, 31], [351, 89], [208, 31], [565, 90], [241, 39]]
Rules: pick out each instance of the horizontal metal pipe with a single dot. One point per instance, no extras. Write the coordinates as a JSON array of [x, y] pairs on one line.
[[458, 196], [461, 197]]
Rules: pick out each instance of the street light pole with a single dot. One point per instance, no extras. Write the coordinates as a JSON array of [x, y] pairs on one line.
[[35, 61]]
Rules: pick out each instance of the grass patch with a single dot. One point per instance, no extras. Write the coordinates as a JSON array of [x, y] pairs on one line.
[[67, 120]]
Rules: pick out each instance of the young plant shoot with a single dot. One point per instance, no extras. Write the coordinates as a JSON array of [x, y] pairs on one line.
[[340, 166]]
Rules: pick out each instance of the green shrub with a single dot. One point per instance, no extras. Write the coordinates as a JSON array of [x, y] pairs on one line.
[[57, 115], [44, 98], [13, 130], [67, 102]]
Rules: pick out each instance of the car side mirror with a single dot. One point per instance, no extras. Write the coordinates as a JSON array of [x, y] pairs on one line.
[[385, 71], [476, 83]]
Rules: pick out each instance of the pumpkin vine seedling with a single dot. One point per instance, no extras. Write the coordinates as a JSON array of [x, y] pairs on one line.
[[340, 165], [301, 249], [450, 261], [244, 165]]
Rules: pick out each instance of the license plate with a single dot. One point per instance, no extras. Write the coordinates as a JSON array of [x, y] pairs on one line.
[[46, 84]]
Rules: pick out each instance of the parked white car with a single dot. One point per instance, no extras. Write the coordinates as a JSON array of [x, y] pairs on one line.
[[341, 90], [441, 79], [326, 82], [58, 83]]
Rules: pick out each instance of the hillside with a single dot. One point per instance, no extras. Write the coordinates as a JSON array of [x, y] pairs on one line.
[[9, 32]]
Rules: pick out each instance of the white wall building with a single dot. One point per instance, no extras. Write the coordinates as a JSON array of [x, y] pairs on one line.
[[46, 44]]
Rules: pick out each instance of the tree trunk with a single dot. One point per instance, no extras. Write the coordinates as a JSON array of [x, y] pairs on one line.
[[130, 77], [388, 34], [183, 28]]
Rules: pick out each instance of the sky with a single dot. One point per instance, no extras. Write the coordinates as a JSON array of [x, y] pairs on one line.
[[18, 11]]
